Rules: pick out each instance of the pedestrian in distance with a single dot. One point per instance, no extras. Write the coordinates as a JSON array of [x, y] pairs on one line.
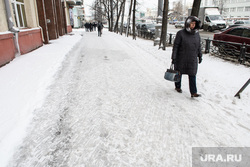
[[91, 27], [100, 27], [186, 53], [95, 25], [86, 25]]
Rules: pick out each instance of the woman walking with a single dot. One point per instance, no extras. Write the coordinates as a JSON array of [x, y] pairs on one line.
[[187, 53]]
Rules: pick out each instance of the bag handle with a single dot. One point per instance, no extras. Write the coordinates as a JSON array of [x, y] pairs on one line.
[[172, 66]]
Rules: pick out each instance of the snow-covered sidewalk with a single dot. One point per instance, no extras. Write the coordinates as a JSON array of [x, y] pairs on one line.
[[105, 103], [23, 87]]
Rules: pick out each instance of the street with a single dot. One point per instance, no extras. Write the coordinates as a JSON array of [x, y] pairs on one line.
[[203, 34], [110, 106]]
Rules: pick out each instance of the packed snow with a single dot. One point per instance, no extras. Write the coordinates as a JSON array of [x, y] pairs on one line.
[[85, 100]]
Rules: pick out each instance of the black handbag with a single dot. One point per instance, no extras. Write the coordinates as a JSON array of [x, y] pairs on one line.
[[172, 75]]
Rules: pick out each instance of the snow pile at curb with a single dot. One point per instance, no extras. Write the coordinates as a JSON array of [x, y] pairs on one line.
[[23, 87]]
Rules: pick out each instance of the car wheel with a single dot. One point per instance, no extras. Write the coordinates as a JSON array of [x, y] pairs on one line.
[[210, 29]]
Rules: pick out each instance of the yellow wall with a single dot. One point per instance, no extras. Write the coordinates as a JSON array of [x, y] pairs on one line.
[[30, 10], [67, 14], [3, 20], [31, 13]]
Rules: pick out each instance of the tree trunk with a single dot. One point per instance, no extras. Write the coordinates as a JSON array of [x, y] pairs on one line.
[[164, 25], [134, 34], [111, 16], [118, 17], [108, 13], [129, 16], [196, 8], [123, 11]]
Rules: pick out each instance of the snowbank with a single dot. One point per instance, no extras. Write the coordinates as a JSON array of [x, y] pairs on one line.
[[23, 88]]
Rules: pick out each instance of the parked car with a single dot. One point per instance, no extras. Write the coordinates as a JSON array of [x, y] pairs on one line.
[[173, 22], [237, 35], [242, 22], [180, 24], [234, 25], [138, 26], [229, 22], [148, 30]]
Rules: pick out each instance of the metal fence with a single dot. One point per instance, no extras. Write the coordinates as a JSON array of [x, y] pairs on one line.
[[234, 52]]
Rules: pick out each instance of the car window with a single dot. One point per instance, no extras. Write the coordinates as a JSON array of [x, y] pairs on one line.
[[207, 19], [215, 17], [151, 25], [239, 22], [237, 32], [247, 22], [246, 33]]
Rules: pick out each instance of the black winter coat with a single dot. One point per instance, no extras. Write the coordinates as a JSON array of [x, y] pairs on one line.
[[186, 49]]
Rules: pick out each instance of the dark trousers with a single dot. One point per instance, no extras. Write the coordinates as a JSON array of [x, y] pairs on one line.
[[99, 32], [192, 84]]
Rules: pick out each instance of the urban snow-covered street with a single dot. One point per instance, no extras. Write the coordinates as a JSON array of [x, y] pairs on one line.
[[105, 103]]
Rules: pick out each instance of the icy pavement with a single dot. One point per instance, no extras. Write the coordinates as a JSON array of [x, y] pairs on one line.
[[110, 106]]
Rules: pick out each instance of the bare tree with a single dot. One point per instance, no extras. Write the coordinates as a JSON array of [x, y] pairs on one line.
[[123, 11], [111, 15], [105, 4], [178, 9], [196, 8], [220, 4], [119, 14], [164, 25], [108, 12], [129, 16], [134, 33], [96, 8]]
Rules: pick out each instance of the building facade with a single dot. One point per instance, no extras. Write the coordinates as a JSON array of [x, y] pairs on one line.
[[78, 16], [231, 9], [28, 24], [237, 9]]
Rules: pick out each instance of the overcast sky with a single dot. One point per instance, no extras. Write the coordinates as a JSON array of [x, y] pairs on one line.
[[144, 4]]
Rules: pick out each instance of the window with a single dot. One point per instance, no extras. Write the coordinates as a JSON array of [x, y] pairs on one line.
[[247, 8], [232, 9], [239, 22], [236, 32], [246, 33], [19, 13], [207, 19], [226, 9], [240, 9]]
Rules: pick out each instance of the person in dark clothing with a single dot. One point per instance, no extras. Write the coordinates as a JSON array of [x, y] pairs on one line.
[[91, 27], [99, 27], [187, 54], [94, 26], [86, 26]]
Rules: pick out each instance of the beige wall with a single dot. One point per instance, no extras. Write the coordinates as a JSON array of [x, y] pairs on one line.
[[67, 14], [30, 10], [31, 13], [3, 20]]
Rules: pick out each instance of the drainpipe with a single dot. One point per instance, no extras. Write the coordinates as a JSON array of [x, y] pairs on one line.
[[11, 27]]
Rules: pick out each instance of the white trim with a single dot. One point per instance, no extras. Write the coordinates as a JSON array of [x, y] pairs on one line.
[[17, 14]]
